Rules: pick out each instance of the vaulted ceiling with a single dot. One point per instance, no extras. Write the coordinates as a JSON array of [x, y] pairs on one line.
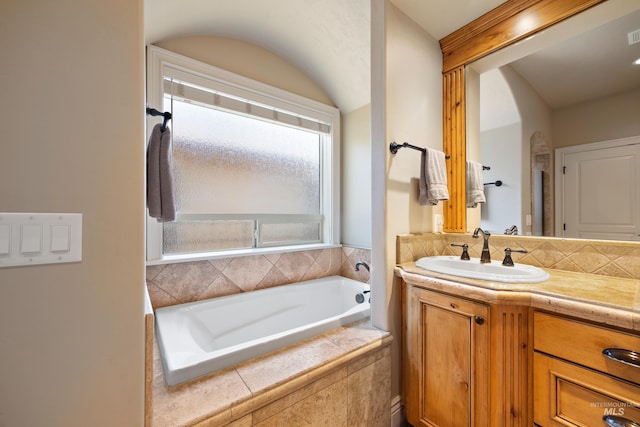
[[330, 40]]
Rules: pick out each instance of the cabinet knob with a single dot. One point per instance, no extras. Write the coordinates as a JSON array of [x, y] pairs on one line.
[[615, 421], [622, 355], [479, 320]]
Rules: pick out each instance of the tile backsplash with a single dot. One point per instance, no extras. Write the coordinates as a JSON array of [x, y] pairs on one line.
[[177, 283], [607, 258]]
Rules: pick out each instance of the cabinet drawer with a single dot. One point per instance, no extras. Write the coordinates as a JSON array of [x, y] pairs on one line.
[[584, 344], [569, 395]]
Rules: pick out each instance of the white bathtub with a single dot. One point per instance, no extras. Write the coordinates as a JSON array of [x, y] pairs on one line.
[[201, 337]]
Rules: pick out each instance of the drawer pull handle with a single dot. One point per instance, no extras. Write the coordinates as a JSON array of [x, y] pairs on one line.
[[614, 421], [625, 356]]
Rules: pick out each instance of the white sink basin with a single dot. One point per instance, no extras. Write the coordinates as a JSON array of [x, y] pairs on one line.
[[472, 269]]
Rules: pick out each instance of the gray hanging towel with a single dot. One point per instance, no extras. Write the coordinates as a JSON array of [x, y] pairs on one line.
[[433, 178], [160, 197], [475, 184]]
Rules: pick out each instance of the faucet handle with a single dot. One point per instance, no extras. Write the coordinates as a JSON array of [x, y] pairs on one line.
[[465, 251], [508, 261]]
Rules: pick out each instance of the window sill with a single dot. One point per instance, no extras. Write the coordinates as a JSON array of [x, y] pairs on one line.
[[172, 259]]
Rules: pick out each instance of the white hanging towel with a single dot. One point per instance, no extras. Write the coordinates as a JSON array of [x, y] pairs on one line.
[[433, 178], [475, 184]]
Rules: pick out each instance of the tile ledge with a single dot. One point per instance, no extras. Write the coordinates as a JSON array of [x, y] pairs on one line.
[[245, 405]]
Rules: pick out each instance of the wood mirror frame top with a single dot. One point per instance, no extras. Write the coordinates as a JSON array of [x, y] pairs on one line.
[[498, 28]]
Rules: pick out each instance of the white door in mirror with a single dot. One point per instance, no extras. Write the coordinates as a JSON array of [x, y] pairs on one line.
[[599, 195]]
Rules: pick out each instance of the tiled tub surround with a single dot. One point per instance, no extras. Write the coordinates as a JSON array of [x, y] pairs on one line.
[[340, 378], [607, 258], [177, 283]]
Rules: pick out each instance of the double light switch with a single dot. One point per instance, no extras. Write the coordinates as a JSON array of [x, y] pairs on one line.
[[40, 238]]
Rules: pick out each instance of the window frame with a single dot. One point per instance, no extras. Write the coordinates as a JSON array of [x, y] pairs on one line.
[[161, 62]]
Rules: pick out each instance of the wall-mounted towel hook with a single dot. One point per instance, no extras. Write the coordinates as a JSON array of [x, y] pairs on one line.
[[486, 168], [394, 147]]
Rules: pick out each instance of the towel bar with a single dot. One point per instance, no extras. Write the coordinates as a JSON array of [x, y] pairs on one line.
[[394, 147]]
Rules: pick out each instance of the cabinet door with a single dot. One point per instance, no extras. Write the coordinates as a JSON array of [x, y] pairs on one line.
[[446, 361], [566, 394]]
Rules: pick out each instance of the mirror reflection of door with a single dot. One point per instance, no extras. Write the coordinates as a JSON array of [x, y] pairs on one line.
[[599, 195]]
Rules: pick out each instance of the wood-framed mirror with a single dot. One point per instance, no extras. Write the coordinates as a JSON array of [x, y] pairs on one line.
[[509, 23]]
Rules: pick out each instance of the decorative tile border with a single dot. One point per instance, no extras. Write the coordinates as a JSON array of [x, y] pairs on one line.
[[171, 284], [607, 258]]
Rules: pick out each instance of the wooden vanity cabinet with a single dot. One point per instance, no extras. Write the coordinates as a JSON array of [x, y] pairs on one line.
[[575, 383], [465, 363]]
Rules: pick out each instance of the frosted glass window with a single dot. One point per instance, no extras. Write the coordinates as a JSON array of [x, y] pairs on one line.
[[289, 233], [198, 236], [231, 164], [228, 163]]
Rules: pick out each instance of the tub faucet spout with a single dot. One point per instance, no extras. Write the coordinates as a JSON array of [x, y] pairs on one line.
[[363, 264], [485, 258]]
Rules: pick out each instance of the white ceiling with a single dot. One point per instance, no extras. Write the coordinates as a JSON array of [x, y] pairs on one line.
[[592, 65], [440, 18], [330, 41]]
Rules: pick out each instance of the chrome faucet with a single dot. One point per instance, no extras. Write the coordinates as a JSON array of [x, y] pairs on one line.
[[485, 258], [513, 230], [363, 264]]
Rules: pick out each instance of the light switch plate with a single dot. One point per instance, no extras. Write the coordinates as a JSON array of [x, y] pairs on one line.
[[40, 238]]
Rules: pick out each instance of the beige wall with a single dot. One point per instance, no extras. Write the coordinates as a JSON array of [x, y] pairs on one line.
[[71, 335], [413, 113], [356, 178], [603, 119]]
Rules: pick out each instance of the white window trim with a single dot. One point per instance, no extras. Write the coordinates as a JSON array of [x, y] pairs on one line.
[[161, 62]]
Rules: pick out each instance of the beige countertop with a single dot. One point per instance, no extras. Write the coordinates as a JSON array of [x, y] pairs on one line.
[[603, 299]]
